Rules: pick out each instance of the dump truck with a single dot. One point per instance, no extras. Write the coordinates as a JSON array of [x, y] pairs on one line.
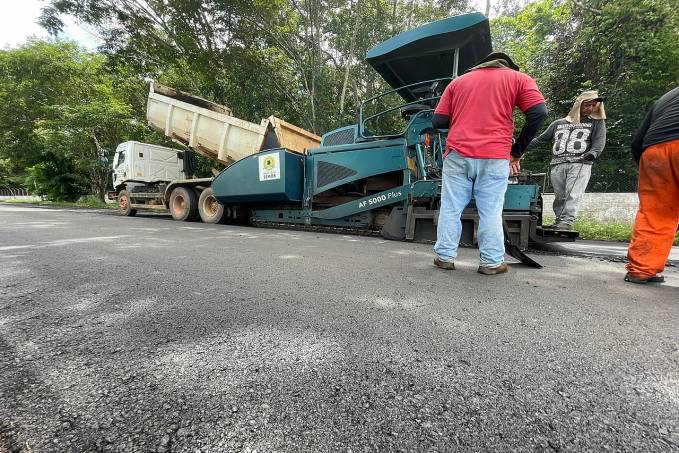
[[151, 177]]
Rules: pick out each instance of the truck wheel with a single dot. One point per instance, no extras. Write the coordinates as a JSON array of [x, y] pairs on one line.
[[184, 204], [124, 204], [209, 208]]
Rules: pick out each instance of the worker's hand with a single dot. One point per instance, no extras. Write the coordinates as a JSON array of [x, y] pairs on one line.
[[514, 165]]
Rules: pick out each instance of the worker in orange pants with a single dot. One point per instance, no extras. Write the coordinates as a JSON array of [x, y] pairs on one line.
[[656, 148]]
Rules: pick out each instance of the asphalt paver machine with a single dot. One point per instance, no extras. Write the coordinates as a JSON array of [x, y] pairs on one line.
[[383, 174]]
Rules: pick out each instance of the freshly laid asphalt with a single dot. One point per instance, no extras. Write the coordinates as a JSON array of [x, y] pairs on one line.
[[144, 334]]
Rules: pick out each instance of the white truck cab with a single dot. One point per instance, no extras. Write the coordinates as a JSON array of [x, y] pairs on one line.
[[136, 162]]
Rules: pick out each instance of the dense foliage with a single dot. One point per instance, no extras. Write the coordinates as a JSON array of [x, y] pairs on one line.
[[626, 49], [65, 109]]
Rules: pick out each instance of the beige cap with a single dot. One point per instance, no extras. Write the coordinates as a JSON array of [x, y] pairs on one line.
[[597, 114]]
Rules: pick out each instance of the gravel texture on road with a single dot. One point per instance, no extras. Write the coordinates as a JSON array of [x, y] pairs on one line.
[[145, 334]]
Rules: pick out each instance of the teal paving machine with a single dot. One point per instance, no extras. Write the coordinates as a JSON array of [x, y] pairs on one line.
[[383, 174]]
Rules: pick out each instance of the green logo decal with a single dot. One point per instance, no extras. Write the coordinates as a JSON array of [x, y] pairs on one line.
[[269, 163]]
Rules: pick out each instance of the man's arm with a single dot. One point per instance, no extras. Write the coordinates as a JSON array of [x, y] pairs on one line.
[[638, 139], [441, 118], [535, 116], [543, 138], [598, 141], [440, 121]]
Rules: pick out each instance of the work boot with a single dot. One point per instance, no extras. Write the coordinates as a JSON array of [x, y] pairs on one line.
[[657, 278], [447, 265], [501, 269], [562, 226]]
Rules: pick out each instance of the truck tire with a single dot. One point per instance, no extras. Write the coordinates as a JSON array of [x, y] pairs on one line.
[[125, 204], [209, 208], [184, 204]]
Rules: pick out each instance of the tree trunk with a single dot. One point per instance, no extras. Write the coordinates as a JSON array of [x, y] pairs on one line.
[[99, 176], [314, 58], [98, 183], [350, 50]]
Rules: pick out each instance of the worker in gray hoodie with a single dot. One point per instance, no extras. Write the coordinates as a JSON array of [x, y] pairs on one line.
[[579, 140]]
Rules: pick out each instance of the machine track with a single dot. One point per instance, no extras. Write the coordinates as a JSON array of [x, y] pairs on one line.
[[537, 249], [317, 228], [332, 230]]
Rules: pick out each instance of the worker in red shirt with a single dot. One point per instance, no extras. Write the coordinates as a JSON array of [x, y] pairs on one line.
[[477, 109]]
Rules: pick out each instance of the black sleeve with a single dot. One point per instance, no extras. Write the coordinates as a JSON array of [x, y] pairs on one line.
[[638, 140], [440, 121], [535, 116]]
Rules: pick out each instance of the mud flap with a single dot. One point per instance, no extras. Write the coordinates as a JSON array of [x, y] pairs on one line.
[[514, 251]]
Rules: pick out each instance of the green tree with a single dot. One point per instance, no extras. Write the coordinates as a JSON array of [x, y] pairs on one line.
[[63, 113], [87, 135], [32, 78], [626, 49], [302, 61], [56, 178]]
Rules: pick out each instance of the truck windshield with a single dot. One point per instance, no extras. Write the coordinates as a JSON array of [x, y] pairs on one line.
[[120, 158]]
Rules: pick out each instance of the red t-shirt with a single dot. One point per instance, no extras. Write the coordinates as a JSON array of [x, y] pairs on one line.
[[480, 105]]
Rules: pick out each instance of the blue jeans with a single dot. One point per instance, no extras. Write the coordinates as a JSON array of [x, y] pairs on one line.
[[486, 180]]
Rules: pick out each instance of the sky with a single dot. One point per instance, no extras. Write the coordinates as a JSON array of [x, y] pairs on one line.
[[18, 23]]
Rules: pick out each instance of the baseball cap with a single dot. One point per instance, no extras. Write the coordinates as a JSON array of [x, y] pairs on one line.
[[500, 56]]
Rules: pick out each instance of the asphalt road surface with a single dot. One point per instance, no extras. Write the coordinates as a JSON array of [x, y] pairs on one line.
[[144, 334]]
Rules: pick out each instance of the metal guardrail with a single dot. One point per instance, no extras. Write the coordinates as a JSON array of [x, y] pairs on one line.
[[13, 192]]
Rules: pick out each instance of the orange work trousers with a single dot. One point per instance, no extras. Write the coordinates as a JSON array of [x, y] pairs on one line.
[[658, 216]]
